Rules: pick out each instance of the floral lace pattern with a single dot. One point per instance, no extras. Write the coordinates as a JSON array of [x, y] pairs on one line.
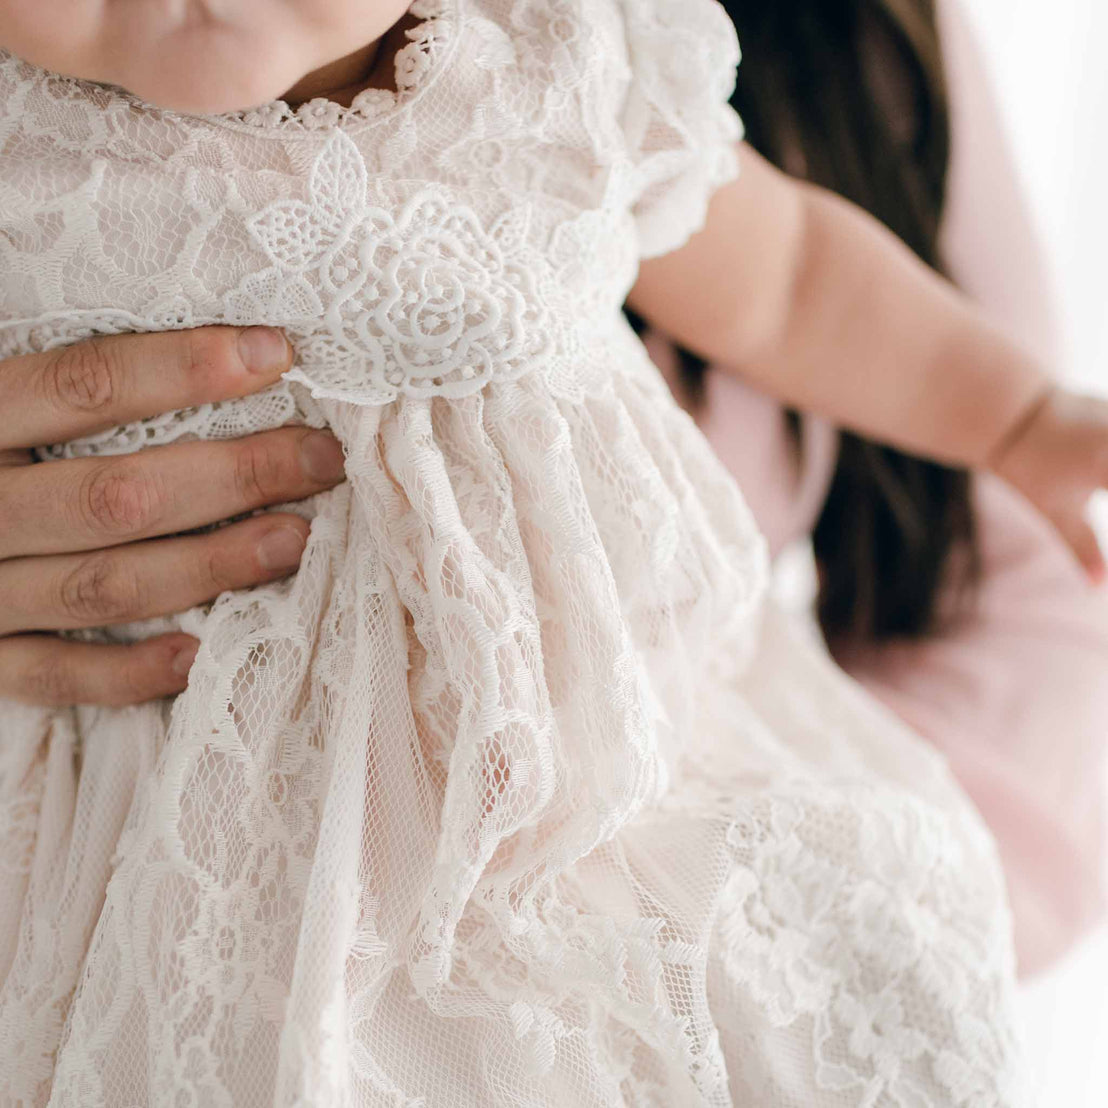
[[425, 299], [781, 938], [513, 795]]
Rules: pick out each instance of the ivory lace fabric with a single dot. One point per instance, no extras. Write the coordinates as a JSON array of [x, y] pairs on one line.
[[516, 794]]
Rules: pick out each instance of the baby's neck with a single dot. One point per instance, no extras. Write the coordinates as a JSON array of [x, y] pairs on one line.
[[342, 80]]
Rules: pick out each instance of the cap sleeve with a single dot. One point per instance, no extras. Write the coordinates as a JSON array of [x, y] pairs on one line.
[[679, 126]]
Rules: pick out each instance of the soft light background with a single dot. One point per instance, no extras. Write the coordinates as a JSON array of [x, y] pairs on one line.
[[1050, 62]]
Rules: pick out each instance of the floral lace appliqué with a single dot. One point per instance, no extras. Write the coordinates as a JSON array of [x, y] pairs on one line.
[[422, 303]]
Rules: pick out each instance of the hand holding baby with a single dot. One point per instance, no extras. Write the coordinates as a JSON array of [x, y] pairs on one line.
[[81, 540]]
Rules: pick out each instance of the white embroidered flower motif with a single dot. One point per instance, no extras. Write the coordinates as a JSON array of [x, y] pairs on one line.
[[883, 1054], [583, 247], [423, 303], [186, 1074]]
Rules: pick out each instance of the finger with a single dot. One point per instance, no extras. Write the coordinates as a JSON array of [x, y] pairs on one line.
[[144, 580], [1082, 540], [94, 385], [52, 673], [93, 503]]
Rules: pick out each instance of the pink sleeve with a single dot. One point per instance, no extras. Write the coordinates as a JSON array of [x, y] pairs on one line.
[[989, 239], [1015, 694]]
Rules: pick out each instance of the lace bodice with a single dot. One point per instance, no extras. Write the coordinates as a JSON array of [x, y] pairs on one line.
[[477, 224]]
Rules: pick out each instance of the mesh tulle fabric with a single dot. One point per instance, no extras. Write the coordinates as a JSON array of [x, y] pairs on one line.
[[514, 795]]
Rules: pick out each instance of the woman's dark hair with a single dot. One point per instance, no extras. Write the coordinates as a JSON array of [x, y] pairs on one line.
[[895, 529]]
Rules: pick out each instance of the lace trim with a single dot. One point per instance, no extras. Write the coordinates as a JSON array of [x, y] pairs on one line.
[[414, 65]]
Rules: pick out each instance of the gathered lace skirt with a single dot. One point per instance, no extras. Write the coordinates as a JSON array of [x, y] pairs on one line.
[[517, 794]]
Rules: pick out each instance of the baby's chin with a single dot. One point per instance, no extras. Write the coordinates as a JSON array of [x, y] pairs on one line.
[[205, 86], [212, 78], [206, 98]]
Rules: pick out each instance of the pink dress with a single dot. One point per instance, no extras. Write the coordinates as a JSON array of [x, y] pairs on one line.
[[1015, 695]]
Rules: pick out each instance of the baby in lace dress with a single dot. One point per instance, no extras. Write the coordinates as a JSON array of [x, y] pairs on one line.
[[518, 793]]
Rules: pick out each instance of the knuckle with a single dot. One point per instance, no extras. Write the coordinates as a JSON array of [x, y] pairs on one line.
[[262, 472], [49, 681], [97, 591], [84, 378], [129, 684], [216, 570], [38, 670], [9, 511], [211, 358], [118, 499]]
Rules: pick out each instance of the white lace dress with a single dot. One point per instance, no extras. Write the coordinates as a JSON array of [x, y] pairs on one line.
[[514, 795]]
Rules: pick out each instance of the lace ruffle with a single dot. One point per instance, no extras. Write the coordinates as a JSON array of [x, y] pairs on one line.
[[683, 132]]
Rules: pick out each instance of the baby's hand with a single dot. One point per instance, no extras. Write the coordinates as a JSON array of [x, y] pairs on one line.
[[1058, 457]]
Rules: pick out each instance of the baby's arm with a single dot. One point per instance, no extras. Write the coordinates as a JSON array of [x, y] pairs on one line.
[[818, 304], [815, 302]]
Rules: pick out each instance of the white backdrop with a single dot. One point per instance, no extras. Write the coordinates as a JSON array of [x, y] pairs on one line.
[[1050, 62]]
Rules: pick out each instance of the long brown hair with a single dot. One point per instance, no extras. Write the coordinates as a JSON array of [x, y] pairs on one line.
[[895, 529]]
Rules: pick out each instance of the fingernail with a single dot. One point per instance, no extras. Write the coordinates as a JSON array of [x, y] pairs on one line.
[[264, 350], [322, 458], [281, 549], [183, 659]]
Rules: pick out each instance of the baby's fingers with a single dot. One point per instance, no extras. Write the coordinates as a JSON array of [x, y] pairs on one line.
[[1082, 540]]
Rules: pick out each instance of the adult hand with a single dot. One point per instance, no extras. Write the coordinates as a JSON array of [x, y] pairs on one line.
[[82, 541]]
